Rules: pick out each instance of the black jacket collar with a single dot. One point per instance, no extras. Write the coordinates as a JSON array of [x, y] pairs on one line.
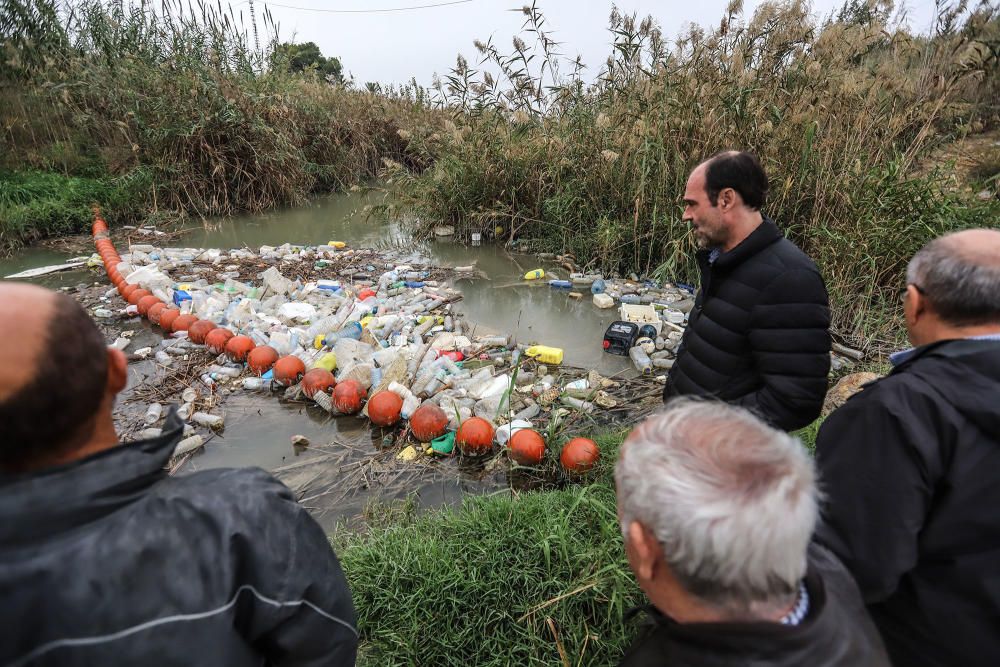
[[54, 500], [767, 232]]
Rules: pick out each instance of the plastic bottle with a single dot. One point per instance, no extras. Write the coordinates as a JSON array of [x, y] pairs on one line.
[[631, 299], [597, 287], [188, 445], [153, 413], [224, 371], [103, 313], [561, 284], [184, 412], [163, 358], [640, 360], [534, 274], [257, 384], [205, 419]]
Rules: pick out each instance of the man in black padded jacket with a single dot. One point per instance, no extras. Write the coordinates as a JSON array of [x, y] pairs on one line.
[[758, 334], [105, 559], [911, 466]]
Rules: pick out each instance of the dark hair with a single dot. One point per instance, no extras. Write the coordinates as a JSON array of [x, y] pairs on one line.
[[56, 411], [740, 171], [962, 290]]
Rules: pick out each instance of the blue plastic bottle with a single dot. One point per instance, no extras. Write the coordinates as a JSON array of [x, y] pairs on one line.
[[597, 287]]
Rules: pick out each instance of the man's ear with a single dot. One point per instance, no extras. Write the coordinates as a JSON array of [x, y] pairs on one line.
[[117, 371], [727, 199], [646, 548], [918, 306]]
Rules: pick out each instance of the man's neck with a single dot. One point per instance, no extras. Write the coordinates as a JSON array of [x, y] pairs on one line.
[[679, 605], [743, 228], [946, 332]]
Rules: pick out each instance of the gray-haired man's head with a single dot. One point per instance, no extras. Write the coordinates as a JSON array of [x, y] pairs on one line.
[[715, 502], [956, 280], [960, 275]]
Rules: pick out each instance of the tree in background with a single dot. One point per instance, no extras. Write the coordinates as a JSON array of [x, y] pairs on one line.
[[300, 57]]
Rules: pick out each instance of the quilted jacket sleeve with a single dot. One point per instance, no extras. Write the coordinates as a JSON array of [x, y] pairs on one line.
[[790, 342]]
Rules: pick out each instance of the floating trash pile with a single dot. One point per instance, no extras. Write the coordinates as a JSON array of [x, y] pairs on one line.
[[361, 332]]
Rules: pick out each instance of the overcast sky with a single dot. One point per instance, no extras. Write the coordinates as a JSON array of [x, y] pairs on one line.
[[392, 47]]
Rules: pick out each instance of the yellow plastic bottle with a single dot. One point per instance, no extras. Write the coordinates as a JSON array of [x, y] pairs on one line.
[[337, 244], [545, 354], [327, 362], [534, 274]]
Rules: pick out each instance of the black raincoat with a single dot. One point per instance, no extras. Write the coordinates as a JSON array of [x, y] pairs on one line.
[[110, 561]]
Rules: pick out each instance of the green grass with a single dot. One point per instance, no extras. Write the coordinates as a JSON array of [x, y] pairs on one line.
[[502, 580], [35, 205]]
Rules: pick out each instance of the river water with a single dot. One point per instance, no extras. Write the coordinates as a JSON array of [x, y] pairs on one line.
[[259, 428]]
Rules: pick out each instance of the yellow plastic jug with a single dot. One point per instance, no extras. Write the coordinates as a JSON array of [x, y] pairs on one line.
[[337, 244], [545, 354], [327, 362], [534, 274]]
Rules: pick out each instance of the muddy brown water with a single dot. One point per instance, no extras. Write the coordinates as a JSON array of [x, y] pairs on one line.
[[259, 427]]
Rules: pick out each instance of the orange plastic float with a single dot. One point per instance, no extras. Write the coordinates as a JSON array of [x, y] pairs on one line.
[[183, 323], [216, 339], [134, 297], [347, 397], [261, 359], [527, 447], [475, 436], [127, 291], [384, 408], [579, 455], [167, 317], [316, 380], [428, 422], [153, 314], [200, 329], [288, 370], [145, 303], [238, 347]]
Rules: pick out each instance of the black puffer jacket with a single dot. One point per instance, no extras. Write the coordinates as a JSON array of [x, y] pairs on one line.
[[758, 335], [911, 470], [109, 561], [836, 632]]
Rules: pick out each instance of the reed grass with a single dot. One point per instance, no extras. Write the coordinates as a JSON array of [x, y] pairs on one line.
[[176, 92], [839, 110]]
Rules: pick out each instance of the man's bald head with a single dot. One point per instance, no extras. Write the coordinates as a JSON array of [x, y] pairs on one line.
[[959, 275], [53, 375]]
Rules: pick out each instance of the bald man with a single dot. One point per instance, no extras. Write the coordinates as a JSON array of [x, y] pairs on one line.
[[911, 466], [758, 334], [107, 560]]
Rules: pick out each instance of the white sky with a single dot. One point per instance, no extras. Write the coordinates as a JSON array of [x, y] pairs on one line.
[[392, 47]]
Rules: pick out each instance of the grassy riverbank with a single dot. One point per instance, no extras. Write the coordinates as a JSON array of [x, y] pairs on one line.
[[151, 108], [527, 579], [845, 114], [508, 579]]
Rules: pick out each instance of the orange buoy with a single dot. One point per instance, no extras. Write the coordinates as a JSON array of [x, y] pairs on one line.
[[145, 303], [474, 436], [288, 370], [261, 359], [136, 294], [183, 322], [238, 347], [153, 314], [527, 447], [579, 455], [167, 317], [216, 339], [318, 379], [200, 329], [384, 408], [347, 397], [428, 422]]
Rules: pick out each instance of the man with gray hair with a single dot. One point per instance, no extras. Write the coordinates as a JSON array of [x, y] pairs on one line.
[[717, 511], [911, 466]]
